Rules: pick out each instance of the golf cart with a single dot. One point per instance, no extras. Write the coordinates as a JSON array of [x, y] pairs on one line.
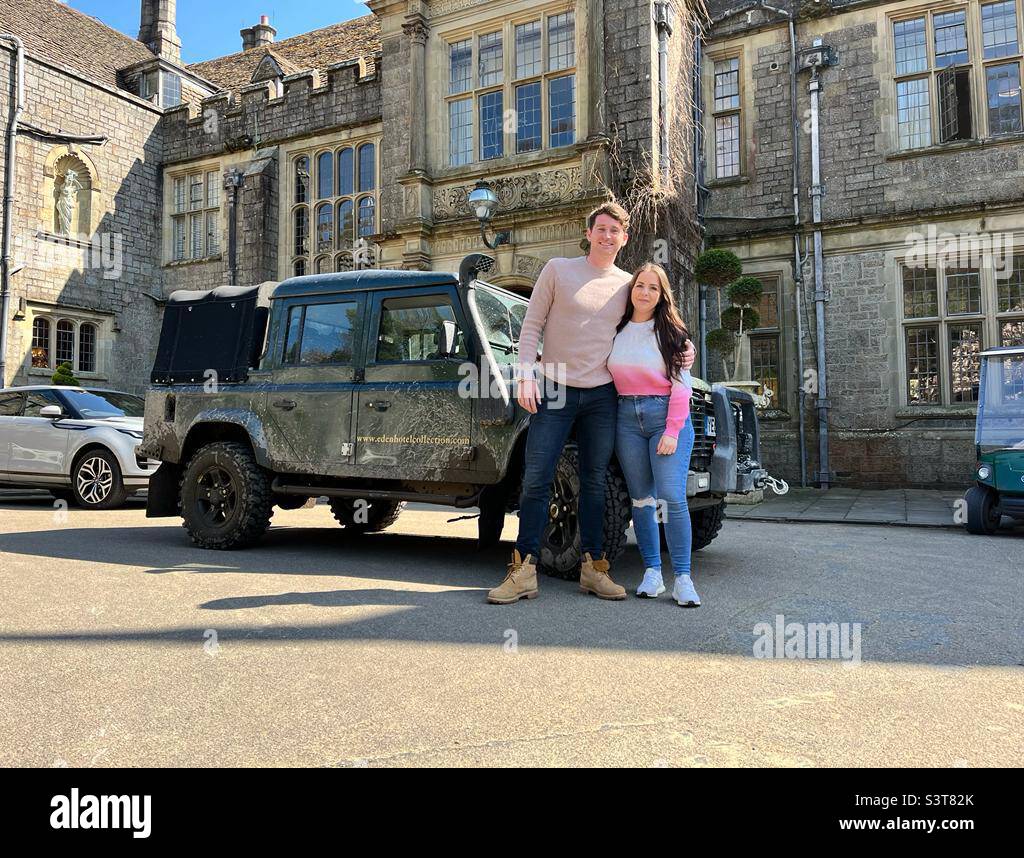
[[999, 438]]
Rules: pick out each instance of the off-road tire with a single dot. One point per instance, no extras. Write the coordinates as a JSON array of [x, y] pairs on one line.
[[98, 461], [380, 514], [982, 511], [560, 552], [246, 489], [706, 524]]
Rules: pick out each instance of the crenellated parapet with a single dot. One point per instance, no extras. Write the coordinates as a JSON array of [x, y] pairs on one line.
[[270, 111]]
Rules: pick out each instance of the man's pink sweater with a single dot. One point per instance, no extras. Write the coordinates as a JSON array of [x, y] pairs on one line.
[[577, 308]]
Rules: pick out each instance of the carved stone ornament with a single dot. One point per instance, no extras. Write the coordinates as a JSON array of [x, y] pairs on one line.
[[412, 202], [443, 7], [529, 266], [417, 31], [521, 191]]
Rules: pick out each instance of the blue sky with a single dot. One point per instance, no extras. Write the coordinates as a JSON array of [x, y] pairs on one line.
[[209, 28]]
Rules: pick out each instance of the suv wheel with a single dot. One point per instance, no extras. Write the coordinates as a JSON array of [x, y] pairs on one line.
[[226, 500], [983, 516], [96, 481], [365, 516], [706, 524], [560, 552]]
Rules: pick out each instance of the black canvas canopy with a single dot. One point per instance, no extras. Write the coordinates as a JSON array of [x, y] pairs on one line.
[[220, 330]]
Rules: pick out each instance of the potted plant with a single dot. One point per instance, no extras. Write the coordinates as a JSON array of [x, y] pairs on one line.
[[732, 340], [64, 376]]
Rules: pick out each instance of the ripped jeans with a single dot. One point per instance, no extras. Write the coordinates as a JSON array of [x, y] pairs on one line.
[[657, 484]]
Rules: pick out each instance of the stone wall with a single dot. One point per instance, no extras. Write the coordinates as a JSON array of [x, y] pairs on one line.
[[125, 210], [345, 96], [664, 218], [874, 198], [243, 133]]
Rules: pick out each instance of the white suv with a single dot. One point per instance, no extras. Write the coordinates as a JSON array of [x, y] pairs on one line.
[[78, 443]]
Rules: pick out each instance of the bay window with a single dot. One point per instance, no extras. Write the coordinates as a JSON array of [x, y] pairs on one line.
[[333, 209], [939, 62], [512, 89], [950, 315]]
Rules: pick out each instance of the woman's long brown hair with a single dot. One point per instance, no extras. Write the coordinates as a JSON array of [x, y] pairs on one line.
[[669, 326]]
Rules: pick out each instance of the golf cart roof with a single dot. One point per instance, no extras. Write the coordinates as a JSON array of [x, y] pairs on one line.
[[1004, 351]]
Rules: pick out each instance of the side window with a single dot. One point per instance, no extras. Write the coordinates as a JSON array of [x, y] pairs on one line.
[[411, 329], [10, 404], [37, 400], [321, 334]]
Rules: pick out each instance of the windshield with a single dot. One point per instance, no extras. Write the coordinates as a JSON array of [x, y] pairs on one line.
[[502, 317], [1001, 403], [100, 404]]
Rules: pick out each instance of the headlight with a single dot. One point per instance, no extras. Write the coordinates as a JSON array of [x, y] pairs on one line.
[[984, 472], [131, 433]]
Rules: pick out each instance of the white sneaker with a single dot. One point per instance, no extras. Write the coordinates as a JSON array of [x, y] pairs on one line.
[[652, 586], [684, 594]]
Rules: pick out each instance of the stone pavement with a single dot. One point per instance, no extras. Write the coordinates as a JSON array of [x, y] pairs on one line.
[[907, 507]]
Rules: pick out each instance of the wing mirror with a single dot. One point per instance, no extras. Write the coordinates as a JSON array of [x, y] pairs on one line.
[[51, 412], [448, 334]]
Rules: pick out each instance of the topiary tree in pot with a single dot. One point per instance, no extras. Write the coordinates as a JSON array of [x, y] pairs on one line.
[[744, 294], [64, 376]]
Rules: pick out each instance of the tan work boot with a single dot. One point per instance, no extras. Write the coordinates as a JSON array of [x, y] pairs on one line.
[[594, 578], [519, 583]]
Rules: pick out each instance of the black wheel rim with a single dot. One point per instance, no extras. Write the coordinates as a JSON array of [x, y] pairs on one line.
[[216, 496], [563, 517]]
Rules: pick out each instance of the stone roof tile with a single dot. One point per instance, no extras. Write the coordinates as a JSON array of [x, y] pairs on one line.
[[54, 31], [317, 49]]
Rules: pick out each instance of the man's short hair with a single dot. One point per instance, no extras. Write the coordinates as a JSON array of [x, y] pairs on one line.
[[613, 210]]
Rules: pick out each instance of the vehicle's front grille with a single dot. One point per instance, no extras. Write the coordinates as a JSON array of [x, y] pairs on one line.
[[701, 407]]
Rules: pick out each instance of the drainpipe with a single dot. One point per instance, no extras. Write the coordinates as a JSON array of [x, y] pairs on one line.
[[663, 21], [10, 168], [798, 269], [798, 278], [824, 475], [699, 189]]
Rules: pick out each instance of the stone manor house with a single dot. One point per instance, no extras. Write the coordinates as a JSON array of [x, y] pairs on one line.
[[357, 144]]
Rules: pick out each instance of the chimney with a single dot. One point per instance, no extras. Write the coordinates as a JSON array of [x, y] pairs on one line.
[[258, 35], [158, 31]]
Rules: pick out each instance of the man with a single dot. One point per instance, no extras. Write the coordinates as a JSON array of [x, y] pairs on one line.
[[576, 305]]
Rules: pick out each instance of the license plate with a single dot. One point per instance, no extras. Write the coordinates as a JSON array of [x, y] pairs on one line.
[[709, 425]]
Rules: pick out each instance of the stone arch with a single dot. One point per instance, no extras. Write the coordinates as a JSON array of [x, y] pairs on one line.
[[77, 213], [517, 283]]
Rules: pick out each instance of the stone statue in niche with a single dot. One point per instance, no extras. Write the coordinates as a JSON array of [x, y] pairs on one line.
[[67, 202]]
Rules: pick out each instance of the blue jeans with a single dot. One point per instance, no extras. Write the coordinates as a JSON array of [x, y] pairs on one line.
[[592, 410], [656, 483]]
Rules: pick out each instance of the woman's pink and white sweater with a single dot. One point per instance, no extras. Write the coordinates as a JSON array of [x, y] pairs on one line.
[[638, 369]]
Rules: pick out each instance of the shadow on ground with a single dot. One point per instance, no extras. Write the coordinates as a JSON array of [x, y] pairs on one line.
[[947, 598]]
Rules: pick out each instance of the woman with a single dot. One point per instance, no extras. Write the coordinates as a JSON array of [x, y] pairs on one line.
[[654, 437]]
